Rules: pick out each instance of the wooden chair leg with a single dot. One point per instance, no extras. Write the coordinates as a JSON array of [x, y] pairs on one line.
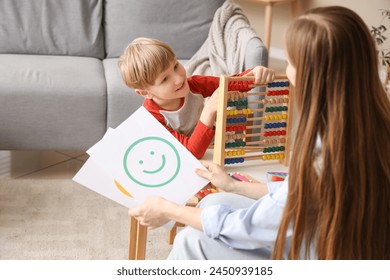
[[137, 240], [192, 202], [172, 234], [132, 238]]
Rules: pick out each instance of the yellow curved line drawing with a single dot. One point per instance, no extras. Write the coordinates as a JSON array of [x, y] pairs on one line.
[[122, 189]]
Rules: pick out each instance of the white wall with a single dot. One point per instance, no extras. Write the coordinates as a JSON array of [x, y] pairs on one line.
[[367, 9]]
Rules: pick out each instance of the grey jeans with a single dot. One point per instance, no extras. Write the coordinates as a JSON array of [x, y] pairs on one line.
[[192, 244]]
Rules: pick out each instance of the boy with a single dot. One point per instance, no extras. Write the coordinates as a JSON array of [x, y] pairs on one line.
[[177, 102]]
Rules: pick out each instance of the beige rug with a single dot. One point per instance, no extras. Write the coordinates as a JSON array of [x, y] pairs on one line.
[[60, 219]]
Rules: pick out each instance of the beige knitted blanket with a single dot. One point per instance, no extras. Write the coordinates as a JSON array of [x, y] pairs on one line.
[[223, 52]]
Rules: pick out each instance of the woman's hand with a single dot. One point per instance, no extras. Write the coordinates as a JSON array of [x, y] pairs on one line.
[[262, 74], [153, 212], [156, 211], [220, 179], [217, 176]]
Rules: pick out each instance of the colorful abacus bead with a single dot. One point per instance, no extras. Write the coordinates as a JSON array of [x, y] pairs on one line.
[[273, 156], [278, 84], [273, 149], [274, 125], [234, 160], [236, 144]]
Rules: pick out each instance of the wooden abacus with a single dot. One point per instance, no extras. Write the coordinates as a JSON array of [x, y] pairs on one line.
[[257, 133]]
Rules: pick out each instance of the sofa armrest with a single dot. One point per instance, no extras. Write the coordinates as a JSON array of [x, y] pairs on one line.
[[255, 54]]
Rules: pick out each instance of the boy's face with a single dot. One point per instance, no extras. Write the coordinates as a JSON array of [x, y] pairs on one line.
[[170, 85]]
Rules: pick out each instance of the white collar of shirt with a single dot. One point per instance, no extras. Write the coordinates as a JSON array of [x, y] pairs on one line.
[[185, 119]]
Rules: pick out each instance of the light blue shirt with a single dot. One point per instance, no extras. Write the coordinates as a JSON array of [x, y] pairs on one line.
[[252, 228]]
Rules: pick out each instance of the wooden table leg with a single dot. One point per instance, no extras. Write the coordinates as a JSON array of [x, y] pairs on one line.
[[295, 8], [268, 19], [137, 240], [268, 25]]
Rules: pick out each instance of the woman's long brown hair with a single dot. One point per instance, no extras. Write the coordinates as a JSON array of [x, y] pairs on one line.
[[342, 209]]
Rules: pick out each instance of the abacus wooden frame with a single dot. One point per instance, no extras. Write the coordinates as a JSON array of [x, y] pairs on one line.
[[220, 135]]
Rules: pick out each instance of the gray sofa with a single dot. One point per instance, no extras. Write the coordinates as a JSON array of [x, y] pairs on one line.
[[60, 86]]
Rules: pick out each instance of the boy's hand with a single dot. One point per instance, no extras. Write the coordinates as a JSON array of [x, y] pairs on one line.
[[210, 110], [212, 102], [262, 74]]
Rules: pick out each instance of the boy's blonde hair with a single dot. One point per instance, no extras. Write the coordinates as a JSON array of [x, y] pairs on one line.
[[143, 60]]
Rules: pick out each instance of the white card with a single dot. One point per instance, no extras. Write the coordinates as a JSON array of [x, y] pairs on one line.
[[94, 177], [145, 159]]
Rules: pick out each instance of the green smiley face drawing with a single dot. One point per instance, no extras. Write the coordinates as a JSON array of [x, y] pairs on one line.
[[151, 162]]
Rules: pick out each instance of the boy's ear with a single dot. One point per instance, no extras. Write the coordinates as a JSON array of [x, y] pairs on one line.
[[144, 93]]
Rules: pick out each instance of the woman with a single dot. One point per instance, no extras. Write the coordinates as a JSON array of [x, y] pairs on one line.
[[335, 202]]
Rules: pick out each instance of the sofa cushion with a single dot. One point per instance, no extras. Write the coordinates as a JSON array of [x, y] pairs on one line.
[[51, 101], [122, 101], [55, 27], [183, 24], [255, 54]]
